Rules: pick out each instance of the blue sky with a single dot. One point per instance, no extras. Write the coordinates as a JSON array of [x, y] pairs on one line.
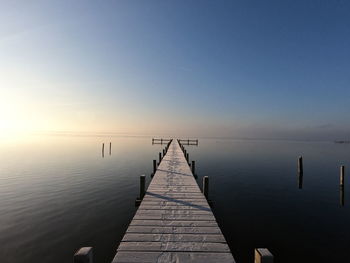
[[253, 69]]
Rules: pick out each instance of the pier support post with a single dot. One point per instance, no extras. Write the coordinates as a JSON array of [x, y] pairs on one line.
[[206, 186], [103, 150], [342, 182], [263, 255], [154, 167], [142, 190], [193, 167], [142, 186], [342, 175], [300, 172], [187, 157], [110, 148], [160, 158], [300, 166], [84, 255]]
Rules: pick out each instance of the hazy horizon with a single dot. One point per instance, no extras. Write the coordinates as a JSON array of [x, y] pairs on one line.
[[238, 69]]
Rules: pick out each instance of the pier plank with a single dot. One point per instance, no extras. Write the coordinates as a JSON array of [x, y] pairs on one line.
[[172, 257]]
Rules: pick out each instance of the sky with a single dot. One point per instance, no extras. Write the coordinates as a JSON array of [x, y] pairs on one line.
[[240, 69]]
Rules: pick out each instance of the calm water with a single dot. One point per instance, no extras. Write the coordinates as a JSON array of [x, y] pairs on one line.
[[58, 194]]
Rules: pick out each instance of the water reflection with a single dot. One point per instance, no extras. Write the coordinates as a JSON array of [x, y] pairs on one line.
[[300, 181], [342, 196]]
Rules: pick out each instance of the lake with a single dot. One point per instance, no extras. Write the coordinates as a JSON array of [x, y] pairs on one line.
[[57, 194]]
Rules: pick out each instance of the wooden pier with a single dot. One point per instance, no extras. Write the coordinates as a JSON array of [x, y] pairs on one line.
[[174, 222]]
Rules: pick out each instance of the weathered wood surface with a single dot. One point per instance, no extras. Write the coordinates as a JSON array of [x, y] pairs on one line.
[[174, 222]]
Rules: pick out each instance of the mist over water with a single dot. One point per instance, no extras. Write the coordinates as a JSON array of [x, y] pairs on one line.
[[57, 194]]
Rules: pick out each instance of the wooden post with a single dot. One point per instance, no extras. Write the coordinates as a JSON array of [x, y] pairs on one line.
[[161, 141], [110, 148], [187, 157], [160, 158], [206, 186], [142, 190], [342, 175], [263, 255], [142, 186], [154, 167], [185, 153], [103, 150], [84, 255], [300, 172], [188, 142], [152, 141], [194, 169], [300, 166], [163, 152]]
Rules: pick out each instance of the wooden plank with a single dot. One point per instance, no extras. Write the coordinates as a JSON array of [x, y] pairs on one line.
[[173, 199], [173, 229], [178, 223], [194, 203], [172, 257], [172, 212], [173, 246], [175, 195], [176, 217], [171, 207], [174, 222], [135, 237]]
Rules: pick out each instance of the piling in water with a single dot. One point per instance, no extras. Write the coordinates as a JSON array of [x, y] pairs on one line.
[[154, 167], [142, 186], [103, 150], [160, 158], [206, 186], [142, 190], [193, 167], [342, 175], [300, 166], [263, 255], [110, 148], [342, 183], [84, 255], [300, 172]]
